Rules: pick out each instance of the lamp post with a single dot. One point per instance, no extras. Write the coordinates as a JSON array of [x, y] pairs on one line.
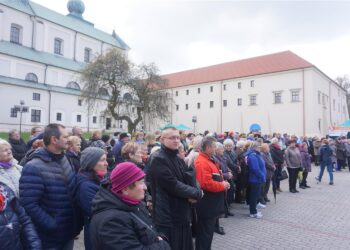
[[194, 120], [21, 109]]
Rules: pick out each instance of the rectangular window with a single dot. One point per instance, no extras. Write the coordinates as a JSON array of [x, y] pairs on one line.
[[224, 87], [80, 102], [121, 125], [15, 34], [133, 110], [87, 55], [252, 83], [176, 93], [224, 103], [239, 102], [211, 104], [199, 90], [211, 88], [36, 96], [13, 113], [58, 46], [277, 97], [319, 97], [187, 92], [333, 104], [58, 116], [239, 85], [186, 106], [252, 100], [78, 118], [177, 107], [198, 105], [94, 119], [295, 96], [35, 115]]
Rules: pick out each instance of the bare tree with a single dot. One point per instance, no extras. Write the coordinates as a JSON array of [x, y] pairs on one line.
[[344, 82], [132, 91]]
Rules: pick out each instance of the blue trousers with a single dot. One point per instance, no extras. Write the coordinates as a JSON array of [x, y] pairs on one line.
[[329, 169]]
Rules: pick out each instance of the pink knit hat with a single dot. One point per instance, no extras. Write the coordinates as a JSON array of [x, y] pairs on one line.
[[125, 174]]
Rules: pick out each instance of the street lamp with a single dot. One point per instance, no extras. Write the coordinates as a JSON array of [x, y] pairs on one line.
[[21, 109], [194, 120]]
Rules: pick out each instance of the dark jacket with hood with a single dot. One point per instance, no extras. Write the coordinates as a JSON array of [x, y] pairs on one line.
[[17, 231], [19, 148], [117, 225], [171, 188], [47, 192]]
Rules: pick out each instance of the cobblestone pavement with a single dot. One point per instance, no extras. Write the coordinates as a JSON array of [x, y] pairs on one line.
[[316, 218]]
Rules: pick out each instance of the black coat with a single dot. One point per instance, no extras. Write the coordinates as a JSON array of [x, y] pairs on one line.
[[74, 160], [277, 155], [19, 149], [171, 189], [117, 225]]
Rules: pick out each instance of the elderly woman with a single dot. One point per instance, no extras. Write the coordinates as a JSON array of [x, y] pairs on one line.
[[93, 168], [150, 142], [19, 147], [196, 145], [96, 138], [242, 174], [132, 152], [73, 152], [257, 178], [10, 171], [293, 160], [278, 159], [139, 137], [270, 170], [119, 218], [305, 163]]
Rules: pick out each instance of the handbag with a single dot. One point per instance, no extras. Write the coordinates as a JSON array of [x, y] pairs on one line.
[[283, 175]]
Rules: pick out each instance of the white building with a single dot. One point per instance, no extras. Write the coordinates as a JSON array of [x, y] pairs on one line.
[[41, 54], [281, 92]]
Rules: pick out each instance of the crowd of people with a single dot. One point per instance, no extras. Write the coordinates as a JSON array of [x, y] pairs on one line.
[[157, 190]]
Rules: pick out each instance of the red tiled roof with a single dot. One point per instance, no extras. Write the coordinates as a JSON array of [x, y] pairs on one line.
[[277, 62]]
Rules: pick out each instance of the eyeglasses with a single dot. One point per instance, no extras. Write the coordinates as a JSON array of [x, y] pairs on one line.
[[173, 138]]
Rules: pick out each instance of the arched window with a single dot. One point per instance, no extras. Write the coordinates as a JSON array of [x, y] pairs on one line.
[[127, 97], [73, 85], [103, 92], [31, 77]]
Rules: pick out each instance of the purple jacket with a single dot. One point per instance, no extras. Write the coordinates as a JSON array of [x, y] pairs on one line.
[[305, 160]]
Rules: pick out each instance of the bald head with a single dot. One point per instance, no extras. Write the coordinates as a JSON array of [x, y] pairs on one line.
[[170, 137]]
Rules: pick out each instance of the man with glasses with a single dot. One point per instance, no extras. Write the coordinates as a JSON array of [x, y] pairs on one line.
[[173, 190]]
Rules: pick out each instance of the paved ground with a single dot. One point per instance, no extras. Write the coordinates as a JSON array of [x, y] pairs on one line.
[[316, 218]]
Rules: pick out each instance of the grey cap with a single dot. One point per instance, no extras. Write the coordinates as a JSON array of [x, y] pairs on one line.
[[89, 157]]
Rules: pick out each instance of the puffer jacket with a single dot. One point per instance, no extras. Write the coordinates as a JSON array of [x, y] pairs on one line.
[[256, 165], [74, 160], [305, 160], [87, 189], [10, 176], [47, 190], [19, 148], [17, 231], [170, 189], [117, 225]]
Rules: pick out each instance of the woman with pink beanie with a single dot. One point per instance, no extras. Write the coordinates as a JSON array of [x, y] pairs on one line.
[[120, 219]]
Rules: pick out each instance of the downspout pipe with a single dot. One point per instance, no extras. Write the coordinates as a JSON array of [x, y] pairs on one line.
[[49, 91], [75, 46], [304, 122], [221, 107]]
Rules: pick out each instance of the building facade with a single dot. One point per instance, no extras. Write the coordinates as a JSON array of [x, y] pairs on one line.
[[281, 92], [41, 55]]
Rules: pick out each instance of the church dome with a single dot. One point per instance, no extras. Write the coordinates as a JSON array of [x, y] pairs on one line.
[[76, 8]]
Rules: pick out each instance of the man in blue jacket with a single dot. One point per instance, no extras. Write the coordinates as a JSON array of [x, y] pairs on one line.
[[257, 177], [325, 156], [124, 138], [47, 191]]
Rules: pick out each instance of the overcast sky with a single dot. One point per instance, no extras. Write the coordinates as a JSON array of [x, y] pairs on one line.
[[179, 35]]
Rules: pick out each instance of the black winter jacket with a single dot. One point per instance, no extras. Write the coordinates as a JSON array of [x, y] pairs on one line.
[[17, 231], [277, 155], [171, 188], [19, 149], [117, 225]]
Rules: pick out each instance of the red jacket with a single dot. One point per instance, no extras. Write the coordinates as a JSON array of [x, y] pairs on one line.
[[205, 168]]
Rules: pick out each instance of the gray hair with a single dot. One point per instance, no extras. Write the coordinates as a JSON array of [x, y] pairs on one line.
[[4, 142], [255, 145], [11, 132], [274, 140], [207, 142], [197, 142], [219, 145], [228, 141]]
